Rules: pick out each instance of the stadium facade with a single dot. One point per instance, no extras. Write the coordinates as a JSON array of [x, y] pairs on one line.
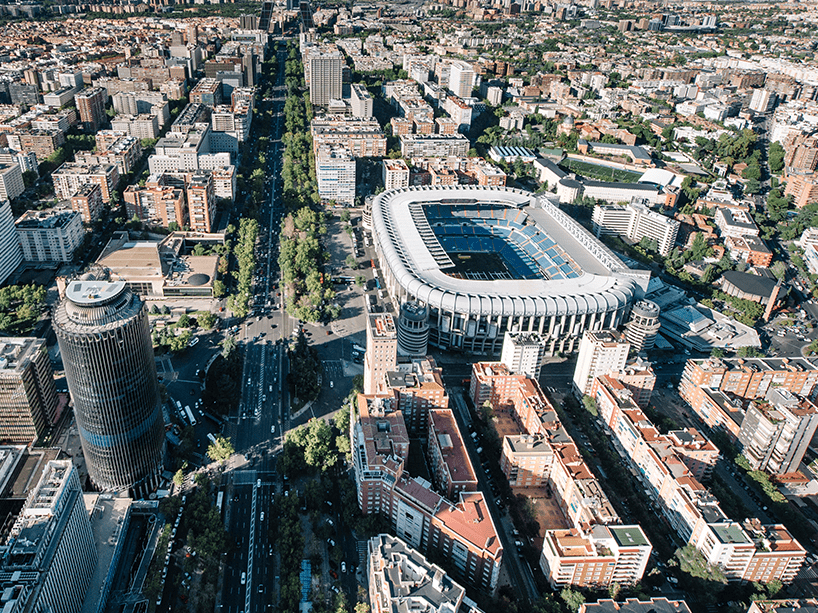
[[485, 260]]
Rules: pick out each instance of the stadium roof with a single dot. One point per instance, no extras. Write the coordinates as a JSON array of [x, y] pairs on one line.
[[604, 284]]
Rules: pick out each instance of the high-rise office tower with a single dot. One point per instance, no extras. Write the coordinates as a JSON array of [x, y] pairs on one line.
[[461, 78], [50, 552], [28, 398], [11, 254], [105, 341], [326, 68], [599, 353], [91, 107]]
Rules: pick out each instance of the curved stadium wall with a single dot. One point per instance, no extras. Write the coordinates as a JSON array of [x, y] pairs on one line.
[[485, 260]]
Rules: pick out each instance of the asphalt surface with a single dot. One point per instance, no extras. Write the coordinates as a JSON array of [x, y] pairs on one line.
[[257, 427]]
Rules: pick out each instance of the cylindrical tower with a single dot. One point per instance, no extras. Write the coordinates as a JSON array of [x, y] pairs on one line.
[[105, 341], [413, 330], [641, 329]]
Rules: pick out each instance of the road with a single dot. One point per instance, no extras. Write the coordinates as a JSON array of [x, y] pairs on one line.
[[257, 427]]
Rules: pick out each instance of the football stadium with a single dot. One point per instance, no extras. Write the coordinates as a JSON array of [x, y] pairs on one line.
[[485, 260]]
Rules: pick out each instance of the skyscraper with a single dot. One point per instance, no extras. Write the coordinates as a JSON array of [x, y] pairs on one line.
[[104, 337], [10, 252], [461, 78], [91, 107], [28, 398], [50, 554], [326, 67]]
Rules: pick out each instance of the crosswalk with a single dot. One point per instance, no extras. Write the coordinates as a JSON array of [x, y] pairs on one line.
[[362, 556]]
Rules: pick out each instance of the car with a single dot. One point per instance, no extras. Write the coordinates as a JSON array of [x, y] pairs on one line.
[[243, 578], [258, 482], [261, 517], [333, 574], [330, 522], [331, 384], [330, 542], [260, 589], [343, 567], [272, 429]]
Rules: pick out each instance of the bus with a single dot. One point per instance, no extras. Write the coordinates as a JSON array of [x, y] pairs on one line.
[[219, 501], [190, 416]]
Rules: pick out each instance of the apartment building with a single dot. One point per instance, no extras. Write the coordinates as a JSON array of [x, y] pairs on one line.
[[637, 377], [461, 530], [224, 182], [417, 386], [600, 352], [523, 353], [360, 101], [543, 455], [362, 136], [139, 126], [395, 174], [138, 103], [91, 107], [335, 173], [449, 463], [381, 352], [40, 142], [156, 203], [28, 398], [401, 578], [750, 249], [433, 145], [69, 177], [735, 223], [802, 186], [776, 431], [124, 152], [207, 92], [87, 201], [201, 202], [636, 221], [708, 385], [49, 236], [687, 505], [11, 181], [607, 555]]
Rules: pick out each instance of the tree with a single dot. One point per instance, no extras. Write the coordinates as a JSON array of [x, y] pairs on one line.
[[776, 157], [219, 289], [181, 341], [205, 319], [573, 600], [228, 346], [179, 478], [752, 186], [360, 280], [29, 178], [183, 322], [590, 405], [221, 450], [351, 262], [362, 607]]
